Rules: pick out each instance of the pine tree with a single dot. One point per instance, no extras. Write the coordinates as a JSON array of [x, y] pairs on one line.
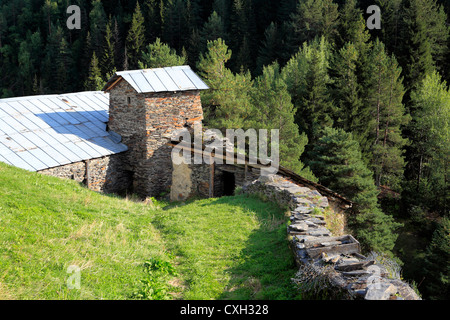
[[437, 268], [25, 67], [338, 164], [392, 24], [311, 19], [383, 116], [135, 38], [174, 28], [49, 68], [346, 89], [242, 35], [213, 29], [352, 27], [194, 47], [428, 164], [227, 105], [308, 81], [270, 48], [94, 81], [109, 54], [273, 109], [63, 67], [159, 55], [425, 40], [98, 21], [118, 46], [153, 18]]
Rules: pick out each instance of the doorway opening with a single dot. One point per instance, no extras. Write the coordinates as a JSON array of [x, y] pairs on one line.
[[229, 183]]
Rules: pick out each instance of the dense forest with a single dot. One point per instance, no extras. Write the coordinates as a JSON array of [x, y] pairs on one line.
[[364, 112]]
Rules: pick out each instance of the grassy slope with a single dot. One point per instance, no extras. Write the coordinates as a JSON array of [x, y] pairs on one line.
[[221, 248]]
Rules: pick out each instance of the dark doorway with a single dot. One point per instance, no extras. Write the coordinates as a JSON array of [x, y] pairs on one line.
[[229, 183]]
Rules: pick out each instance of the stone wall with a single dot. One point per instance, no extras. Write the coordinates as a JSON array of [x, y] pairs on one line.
[[194, 180], [323, 254], [101, 174], [144, 120]]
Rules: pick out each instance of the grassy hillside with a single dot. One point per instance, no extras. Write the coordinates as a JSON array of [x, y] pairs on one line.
[[233, 247]]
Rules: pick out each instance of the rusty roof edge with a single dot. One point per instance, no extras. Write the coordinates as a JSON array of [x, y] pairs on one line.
[[114, 79]]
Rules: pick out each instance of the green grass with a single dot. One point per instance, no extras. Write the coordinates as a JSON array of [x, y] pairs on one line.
[[227, 248]]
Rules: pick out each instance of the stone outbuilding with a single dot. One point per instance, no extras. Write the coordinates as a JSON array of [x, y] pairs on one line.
[[118, 140]]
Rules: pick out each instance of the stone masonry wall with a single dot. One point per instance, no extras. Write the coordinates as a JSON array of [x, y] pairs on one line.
[[195, 179], [321, 253], [101, 174], [144, 120]]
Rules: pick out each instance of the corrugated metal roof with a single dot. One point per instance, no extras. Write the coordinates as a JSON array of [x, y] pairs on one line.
[[168, 79], [41, 132]]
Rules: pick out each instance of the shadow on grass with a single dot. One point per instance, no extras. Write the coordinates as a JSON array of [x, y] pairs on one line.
[[267, 261]]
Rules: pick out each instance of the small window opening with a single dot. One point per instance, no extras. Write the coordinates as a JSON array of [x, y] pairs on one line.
[[129, 100]]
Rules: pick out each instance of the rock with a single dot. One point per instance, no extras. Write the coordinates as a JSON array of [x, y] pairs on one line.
[[320, 232], [314, 193], [349, 266], [380, 291], [300, 245], [355, 273], [311, 225], [318, 221], [303, 201], [330, 259], [299, 227], [266, 178], [323, 202], [303, 238], [303, 209]]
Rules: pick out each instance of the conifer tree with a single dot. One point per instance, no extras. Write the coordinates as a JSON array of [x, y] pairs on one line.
[[346, 89], [227, 105], [352, 27], [437, 268], [213, 29], [337, 162], [135, 38], [424, 40], [242, 35], [273, 109], [392, 24], [118, 45], [270, 48], [311, 19], [174, 28], [98, 21], [94, 81], [63, 67], [159, 55], [25, 67], [430, 145], [383, 116], [308, 81], [109, 54]]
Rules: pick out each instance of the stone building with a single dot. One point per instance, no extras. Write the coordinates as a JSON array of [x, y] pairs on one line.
[[146, 106], [118, 140], [112, 140]]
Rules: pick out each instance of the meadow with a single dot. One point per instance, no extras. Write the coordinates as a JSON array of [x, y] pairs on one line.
[[121, 248]]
